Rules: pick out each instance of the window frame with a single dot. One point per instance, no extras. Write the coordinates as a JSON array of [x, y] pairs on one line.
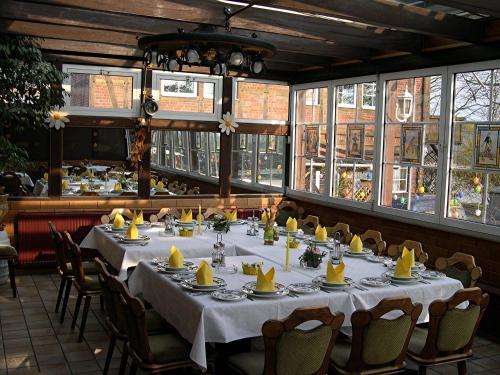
[[103, 70], [347, 105], [363, 106]]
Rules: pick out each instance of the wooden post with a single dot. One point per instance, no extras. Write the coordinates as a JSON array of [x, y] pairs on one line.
[[55, 162], [226, 142], [144, 168]]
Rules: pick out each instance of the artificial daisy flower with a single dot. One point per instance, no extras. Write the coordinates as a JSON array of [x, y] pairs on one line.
[[57, 119], [227, 124]]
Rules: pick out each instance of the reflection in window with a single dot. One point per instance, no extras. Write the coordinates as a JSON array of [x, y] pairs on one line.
[[369, 90], [178, 88], [346, 95], [271, 159], [243, 157]]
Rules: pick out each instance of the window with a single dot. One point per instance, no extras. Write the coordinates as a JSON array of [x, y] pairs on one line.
[[474, 173], [95, 90], [271, 159], [198, 149], [354, 148], [310, 131], [243, 157], [411, 144], [187, 96], [346, 95], [369, 91], [257, 101]]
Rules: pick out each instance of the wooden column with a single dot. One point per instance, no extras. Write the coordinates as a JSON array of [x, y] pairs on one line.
[[226, 141], [144, 169], [55, 162]]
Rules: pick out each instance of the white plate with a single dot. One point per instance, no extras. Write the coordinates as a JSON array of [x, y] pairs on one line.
[[157, 260], [416, 267], [177, 221], [124, 229], [430, 274], [217, 284], [402, 280], [377, 258], [143, 225], [189, 287], [142, 238], [304, 288], [322, 280], [377, 282], [251, 288], [178, 277], [229, 295], [164, 267], [237, 222], [363, 253]]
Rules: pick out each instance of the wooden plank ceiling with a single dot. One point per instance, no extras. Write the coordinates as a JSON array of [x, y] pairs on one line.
[[315, 39]]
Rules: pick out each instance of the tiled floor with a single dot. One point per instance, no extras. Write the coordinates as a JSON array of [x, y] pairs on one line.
[[33, 342]]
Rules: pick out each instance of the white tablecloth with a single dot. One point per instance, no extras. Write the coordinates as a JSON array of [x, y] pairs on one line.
[[4, 269]]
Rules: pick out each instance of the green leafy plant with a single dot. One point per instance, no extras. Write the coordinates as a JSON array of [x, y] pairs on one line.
[[220, 224], [312, 257], [29, 88]]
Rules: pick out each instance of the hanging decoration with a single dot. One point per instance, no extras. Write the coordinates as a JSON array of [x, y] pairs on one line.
[[57, 119], [138, 148], [227, 124]]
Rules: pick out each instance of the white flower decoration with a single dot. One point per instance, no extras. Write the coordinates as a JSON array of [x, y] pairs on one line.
[[227, 124], [57, 119]]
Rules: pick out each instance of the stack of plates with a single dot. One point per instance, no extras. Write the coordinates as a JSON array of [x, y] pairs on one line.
[[377, 282], [362, 253], [304, 288], [429, 274], [142, 238], [165, 267], [377, 258], [417, 267], [143, 225], [181, 276], [226, 295], [415, 278], [192, 285], [251, 289], [321, 280]]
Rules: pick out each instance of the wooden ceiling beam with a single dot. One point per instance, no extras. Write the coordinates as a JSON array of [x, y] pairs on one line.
[[390, 13], [488, 7]]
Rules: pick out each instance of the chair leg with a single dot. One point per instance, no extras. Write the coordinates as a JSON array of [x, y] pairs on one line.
[[133, 368], [12, 275], [60, 293], [462, 367], [422, 370], [86, 308], [67, 292], [109, 354], [123, 361], [77, 309]]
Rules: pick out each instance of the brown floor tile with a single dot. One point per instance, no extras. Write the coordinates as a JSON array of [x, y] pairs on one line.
[[84, 367], [18, 362], [79, 356]]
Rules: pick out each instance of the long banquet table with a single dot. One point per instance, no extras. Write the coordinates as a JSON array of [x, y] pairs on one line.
[[201, 319]]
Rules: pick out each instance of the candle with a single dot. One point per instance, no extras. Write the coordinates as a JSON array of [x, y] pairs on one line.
[[287, 256], [199, 219]]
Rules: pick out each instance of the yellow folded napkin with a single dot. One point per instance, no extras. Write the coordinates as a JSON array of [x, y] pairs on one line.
[[291, 224], [46, 176], [65, 184], [135, 176], [356, 244], [335, 275], [65, 174], [186, 217], [160, 185], [138, 218], [132, 232], [118, 187], [320, 234], [410, 253], [204, 275], [91, 173], [176, 258], [403, 266], [265, 282], [119, 221], [232, 215], [263, 217], [84, 187]]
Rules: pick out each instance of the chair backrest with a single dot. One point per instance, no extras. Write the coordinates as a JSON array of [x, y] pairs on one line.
[[154, 218], [345, 232], [462, 267], [291, 350], [135, 314], [105, 219], [420, 255], [59, 247], [309, 224], [211, 211], [75, 257], [286, 209], [370, 329], [372, 239], [452, 329]]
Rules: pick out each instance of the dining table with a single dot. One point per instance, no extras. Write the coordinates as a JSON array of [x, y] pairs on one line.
[[202, 319]]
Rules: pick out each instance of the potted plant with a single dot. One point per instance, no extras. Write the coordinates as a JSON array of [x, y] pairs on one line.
[[312, 257], [220, 224]]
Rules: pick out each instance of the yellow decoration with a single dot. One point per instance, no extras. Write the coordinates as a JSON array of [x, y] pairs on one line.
[[119, 221], [183, 232], [344, 174], [160, 185], [291, 224], [176, 258], [251, 268], [320, 234], [46, 176], [152, 183], [362, 194], [84, 187], [132, 232], [476, 180], [356, 244], [65, 174], [91, 173], [186, 217], [65, 185], [232, 216], [263, 217], [138, 218], [118, 187], [265, 282], [335, 275], [135, 176], [421, 189], [293, 243], [403, 267], [409, 253], [204, 275]]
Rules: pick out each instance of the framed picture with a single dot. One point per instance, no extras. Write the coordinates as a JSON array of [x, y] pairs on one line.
[[271, 143], [487, 146], [412, 144], [355, 141], [243, 141], [312, 141]]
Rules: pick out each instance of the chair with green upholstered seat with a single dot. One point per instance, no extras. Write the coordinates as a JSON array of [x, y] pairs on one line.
[[9, 254], [289, 350], [86, 285], [378, 343], [461, 267], [451, 331]]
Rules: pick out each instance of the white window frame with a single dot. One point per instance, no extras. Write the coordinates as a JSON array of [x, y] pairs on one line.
[[399, 179], [159, 75], [255, 121], [347, 105], [193, 94], [363, 105], [103, 70]]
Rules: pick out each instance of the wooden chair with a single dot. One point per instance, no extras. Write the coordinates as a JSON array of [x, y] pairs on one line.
[[461, 267], [154, 218], [116, 319], [292, 350], [128, 194], [286, 209], [86, 285], [378, 344], [90, 194], [309, 224], [9, 254], [194, 191], [173, 186], [451, 331], [372, 239], [396, 250], [212, 211], [345, 232], [105, 219], [12, 184]]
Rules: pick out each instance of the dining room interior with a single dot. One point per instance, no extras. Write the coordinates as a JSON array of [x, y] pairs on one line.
[[249, 187]]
